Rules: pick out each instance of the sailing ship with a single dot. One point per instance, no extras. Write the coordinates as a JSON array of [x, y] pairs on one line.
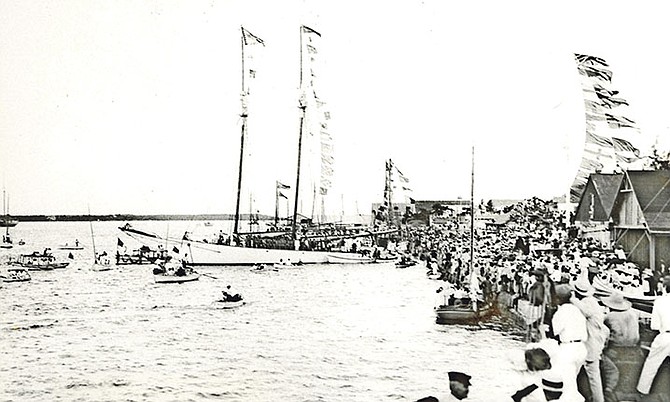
[[302, 242], [6, 221], [467, 307], [102, 261], [6, 239]]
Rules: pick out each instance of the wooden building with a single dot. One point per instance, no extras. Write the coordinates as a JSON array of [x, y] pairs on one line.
[[635, 205]]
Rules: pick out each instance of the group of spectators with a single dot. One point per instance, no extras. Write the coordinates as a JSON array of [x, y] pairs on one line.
[[537, 260]]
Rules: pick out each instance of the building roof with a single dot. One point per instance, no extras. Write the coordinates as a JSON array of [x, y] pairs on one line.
[[598, 197], [607, 186], [652, 189]]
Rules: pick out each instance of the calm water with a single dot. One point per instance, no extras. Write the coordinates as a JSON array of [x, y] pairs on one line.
[[317, 333]]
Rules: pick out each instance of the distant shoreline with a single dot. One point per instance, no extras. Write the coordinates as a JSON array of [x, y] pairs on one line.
[[132, 217]]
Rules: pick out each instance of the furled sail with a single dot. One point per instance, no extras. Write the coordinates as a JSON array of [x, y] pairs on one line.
[[317, 156]]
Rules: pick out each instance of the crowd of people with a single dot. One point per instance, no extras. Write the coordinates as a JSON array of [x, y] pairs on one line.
[[539, 261]]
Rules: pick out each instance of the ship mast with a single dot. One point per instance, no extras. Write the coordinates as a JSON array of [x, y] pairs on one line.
[[302, 105], [472, 213], [6, 212], [473, 292], [247, 38], [389, 173], [242, 135]]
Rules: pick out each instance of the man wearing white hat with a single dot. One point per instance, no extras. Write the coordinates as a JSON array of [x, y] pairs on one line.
[[597, 335], [660, 347], [623, 323]]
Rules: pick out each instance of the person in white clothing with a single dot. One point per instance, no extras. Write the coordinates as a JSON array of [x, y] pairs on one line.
[[569, 327], [597, 335], [660, 347]]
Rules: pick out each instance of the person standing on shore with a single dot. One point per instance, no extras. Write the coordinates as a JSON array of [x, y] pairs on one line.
[[597, 335], [624, 338], [660, 347], [569, 326]]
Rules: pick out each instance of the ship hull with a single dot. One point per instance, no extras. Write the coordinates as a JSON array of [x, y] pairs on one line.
[[208, 254]]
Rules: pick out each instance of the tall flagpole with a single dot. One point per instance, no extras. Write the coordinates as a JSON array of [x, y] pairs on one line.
[[389, 173], [276, 203], [473, 291], [472, 213]]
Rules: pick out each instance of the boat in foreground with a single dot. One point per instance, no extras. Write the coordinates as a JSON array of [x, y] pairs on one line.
[[172, 278], [16, 275], [36, 261], [461, 314], [172, 272], [102, 262], [223, 304]]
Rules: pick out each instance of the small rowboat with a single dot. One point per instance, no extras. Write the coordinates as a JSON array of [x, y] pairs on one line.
[[66, 247], [221, 304], [171, 278], [348, 259], [461, 314], [16, 275]]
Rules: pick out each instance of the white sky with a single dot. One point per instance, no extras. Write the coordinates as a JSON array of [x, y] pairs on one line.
[[132, 106]]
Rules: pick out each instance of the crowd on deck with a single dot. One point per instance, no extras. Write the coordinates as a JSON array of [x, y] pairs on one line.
[[539, 262]]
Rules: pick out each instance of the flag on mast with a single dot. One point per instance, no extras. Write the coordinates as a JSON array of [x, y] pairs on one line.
[[307, 29], [251, 39]]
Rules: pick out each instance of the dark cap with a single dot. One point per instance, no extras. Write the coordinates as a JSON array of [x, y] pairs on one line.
[[459, 377], [537, 359]]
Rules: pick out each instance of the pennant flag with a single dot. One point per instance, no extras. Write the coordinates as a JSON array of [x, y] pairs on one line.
[[602, 151], [175, 250], [251, 39], [309, 30], [586, 59], [282, 195], [625, 146], [282, 186], [598, 139], [119, 243], [619, 121]]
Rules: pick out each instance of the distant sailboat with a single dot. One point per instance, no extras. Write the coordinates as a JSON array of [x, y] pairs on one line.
[[102, 261], [6, 239]]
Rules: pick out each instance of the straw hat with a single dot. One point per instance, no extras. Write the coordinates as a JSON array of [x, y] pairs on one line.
[[616, 302], [584, 288]]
